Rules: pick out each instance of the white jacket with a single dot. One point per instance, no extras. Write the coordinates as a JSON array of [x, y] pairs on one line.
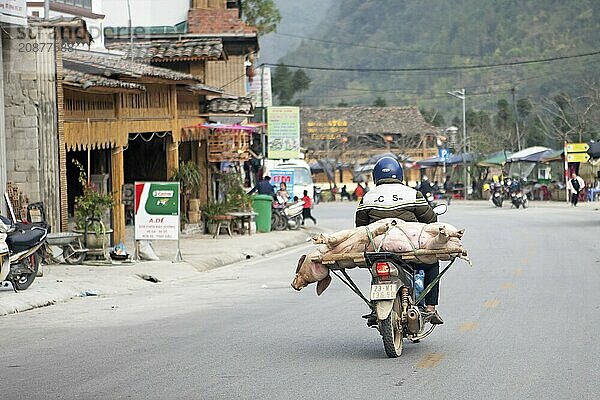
[[572, 189]]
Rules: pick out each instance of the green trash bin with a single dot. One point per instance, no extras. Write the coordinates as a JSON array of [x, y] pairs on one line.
[[262, 204]]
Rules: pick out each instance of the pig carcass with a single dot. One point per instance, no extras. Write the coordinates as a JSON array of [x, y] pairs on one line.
[[390, 234]]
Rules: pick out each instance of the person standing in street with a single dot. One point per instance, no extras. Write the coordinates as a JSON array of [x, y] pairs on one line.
[[306, 212], [575, 185]]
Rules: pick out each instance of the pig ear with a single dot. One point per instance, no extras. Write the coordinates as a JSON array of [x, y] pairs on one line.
[[322, 285], [300, 261]]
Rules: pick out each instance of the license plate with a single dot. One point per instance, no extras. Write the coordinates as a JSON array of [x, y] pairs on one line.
[[384, 292]]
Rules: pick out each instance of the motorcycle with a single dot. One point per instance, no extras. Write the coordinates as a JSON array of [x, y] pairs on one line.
[[518, 199], [496, 195], [394, 302], [20, 252], [286, 215]]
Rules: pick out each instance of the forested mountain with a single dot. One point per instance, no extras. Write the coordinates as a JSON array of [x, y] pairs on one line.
[[298, 18], [431, 36]]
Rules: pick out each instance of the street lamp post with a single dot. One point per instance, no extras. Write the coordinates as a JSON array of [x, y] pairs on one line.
[[462, 94]]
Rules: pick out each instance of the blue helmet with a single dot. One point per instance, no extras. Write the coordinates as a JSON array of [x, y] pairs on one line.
[[387, 168]]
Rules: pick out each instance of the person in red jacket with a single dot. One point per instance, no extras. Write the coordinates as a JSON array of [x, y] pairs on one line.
[[306, 208]]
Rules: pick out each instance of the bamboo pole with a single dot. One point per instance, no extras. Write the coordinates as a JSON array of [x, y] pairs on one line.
[[118, 180]]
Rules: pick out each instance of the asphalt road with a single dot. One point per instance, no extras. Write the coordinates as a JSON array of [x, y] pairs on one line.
[[521, 323]]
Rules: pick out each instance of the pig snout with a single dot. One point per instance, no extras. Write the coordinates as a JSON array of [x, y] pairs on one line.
[[298, 283]]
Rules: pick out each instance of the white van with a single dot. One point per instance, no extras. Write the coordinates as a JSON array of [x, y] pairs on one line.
[[302, 176]]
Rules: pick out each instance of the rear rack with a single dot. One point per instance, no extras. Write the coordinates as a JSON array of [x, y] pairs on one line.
[[365, 260]]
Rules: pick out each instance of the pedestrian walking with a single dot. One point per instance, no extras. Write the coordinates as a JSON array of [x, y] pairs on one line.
[[306, 210], [575, 185], [448, 189]]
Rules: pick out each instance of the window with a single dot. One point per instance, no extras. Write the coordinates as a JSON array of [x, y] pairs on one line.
[[87, 4]]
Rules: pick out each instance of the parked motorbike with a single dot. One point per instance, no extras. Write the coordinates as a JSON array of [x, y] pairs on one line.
[[286, 215], [496, 195], [518, 199], [20, 248]]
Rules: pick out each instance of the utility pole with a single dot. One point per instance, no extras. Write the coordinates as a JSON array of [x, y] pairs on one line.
[[130, 31], [516, 119], [46, 10], [462, 95]]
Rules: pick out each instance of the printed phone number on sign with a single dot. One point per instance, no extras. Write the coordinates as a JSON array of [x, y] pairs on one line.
[[41, 47]]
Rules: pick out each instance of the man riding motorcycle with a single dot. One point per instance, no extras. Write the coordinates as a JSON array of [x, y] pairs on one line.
[[391, 199]]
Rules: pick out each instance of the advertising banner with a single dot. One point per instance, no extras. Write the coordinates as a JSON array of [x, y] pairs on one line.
[[156, 211], [286, 176], [13, 12], [260, 88], [283, 127]]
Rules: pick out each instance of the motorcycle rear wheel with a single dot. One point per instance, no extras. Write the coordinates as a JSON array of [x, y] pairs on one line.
[[298, 221], [391, 332], [278, 222], [25, 280]]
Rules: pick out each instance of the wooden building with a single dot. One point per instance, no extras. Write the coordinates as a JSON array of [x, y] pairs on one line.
[[131, 118]]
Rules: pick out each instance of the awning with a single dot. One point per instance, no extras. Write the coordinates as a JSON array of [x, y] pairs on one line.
[[430, 162], [495, 159], [530, 154], [461, 159], [553, 155]]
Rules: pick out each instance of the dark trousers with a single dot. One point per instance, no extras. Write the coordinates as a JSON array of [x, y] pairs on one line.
[[431, 272], [306, 214], [574, 198]]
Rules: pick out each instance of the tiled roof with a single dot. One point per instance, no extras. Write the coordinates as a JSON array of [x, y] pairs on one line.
[[86, 81], [111, 65], [172, 50], [232, 105], [217, 21], [405, 121]]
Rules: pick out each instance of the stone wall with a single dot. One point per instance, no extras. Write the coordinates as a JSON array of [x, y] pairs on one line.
[[30, 114]]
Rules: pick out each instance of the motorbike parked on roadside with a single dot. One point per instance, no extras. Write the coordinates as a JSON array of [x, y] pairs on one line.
[[496, 194], [286, 215], [518, 199], [20, 252]]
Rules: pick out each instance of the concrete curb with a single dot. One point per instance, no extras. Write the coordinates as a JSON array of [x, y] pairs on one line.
[[62, 283]]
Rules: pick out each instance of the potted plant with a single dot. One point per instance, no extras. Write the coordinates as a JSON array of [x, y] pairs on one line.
[[189, 176], [90, 209], [211, 209]]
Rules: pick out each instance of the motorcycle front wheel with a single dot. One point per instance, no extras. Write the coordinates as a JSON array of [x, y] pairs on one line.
[[25, 280], [391, 332]]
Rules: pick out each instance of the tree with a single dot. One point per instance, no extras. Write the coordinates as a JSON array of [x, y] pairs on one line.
[[263, 14], [286, 84], [380, 102], [572, 118], [433, 117]]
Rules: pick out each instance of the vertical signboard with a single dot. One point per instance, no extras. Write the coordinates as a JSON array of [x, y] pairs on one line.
[[156, 210], [283, 127], [260, 88], [13, 12]]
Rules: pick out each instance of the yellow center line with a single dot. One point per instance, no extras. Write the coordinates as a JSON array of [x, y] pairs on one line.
[[517, 271], [431, 360], [468, 327], [507, 285], [491, 303]]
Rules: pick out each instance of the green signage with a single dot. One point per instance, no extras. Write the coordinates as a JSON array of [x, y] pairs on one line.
[[163, 199], [283, 127]]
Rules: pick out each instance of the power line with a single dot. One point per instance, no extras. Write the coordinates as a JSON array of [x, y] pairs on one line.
[[401, 50], [446, 68]]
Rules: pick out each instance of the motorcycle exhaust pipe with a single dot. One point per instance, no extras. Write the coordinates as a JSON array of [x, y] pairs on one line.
[[414, 321]]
